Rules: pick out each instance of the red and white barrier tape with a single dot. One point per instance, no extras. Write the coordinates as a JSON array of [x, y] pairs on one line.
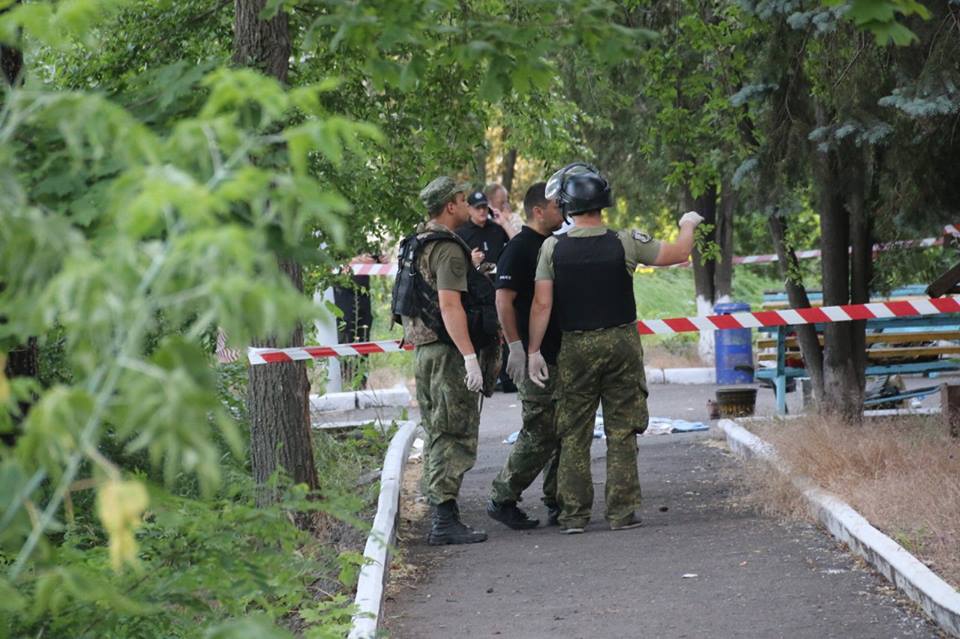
[[273, 355], [950, 229], [374, 269], [794, 316], [789, 317]]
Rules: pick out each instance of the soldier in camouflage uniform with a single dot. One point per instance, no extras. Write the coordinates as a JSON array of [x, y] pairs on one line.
[[588, 275], [537, 446], [448, 373]]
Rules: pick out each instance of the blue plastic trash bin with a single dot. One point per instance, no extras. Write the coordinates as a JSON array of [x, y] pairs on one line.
[[734, 348]]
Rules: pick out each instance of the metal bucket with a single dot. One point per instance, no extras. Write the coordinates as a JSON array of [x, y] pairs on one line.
[[736, 402]]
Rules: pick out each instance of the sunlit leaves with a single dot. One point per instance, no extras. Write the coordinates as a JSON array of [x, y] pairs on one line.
[[163, 404], [54, 24]]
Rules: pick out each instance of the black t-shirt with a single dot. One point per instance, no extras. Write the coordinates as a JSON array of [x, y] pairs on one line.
[[489, 238], [516, 271]]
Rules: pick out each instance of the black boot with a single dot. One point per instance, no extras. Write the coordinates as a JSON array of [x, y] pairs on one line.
[[553, 515], [448, 529], [510, 515]]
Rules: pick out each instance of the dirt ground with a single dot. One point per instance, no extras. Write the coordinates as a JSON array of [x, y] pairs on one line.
[[703, 565]]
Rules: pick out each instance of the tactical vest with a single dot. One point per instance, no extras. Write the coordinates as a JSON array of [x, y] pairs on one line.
[[414, 296], [591, 286]]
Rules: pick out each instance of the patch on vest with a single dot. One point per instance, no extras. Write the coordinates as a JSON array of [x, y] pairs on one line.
[[641, 237]]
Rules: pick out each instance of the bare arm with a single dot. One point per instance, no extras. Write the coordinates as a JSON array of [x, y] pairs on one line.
[[679, 251], [540, 313], [455, 320], [505, 222], [507, 313]]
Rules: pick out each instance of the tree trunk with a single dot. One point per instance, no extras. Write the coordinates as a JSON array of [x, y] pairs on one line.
[[11, 61], [278, 400], [723, 280], [22, 361], [278, 395], [843, 390], [861, 274], [509, 167], [261, 44], [704, 271], [789, 267]]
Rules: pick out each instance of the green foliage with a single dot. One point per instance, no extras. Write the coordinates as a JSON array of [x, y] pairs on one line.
[[880, 18], [207, 568], [668, 292]]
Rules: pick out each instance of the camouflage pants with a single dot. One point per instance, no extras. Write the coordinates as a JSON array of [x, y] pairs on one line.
[[537, 445], [604, 365], [450, 416]]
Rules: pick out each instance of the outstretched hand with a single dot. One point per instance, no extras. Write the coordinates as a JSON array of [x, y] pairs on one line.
[[691, 217]]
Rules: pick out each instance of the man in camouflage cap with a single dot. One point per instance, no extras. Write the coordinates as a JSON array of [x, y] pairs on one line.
[[442, 323], [589, 273]]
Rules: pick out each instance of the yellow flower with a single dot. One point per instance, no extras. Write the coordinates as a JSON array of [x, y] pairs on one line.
[[120, 505]]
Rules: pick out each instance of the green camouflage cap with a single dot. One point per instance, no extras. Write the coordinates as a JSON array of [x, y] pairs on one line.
[[441, 190]]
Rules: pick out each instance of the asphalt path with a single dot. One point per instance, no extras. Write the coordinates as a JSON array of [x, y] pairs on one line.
[[702, 565]]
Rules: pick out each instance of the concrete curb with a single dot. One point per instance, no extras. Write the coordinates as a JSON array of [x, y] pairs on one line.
[[937, 598], [397, 396], [370, 586], [681, 375]]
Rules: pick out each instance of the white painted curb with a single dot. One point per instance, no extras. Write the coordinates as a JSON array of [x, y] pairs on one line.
[[333, 402], [940, 601], [380, 398], [681, 375], [370, 585], [396, 396]]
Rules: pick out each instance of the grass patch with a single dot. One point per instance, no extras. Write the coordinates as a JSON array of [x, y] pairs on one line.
[[902, 474]]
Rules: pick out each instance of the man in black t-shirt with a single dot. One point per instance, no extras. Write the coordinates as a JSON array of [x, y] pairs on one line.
[[483, 233], [536, 448]]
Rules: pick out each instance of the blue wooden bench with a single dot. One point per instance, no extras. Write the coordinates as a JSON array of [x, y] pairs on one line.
[[895, 345]]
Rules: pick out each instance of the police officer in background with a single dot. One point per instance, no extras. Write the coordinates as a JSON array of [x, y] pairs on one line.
[[536, 448], [483, 232], [448, 311], [587, 274], [486, 233]]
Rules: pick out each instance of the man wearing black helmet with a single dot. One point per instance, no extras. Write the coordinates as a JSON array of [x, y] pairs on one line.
[[587, 274]]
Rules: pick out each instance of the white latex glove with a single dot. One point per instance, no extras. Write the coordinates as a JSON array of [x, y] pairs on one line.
[[474, 378], [516, 361], [538, 369], [691, 217]]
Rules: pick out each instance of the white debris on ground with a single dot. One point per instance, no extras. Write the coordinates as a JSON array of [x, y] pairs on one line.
[[656, 426]]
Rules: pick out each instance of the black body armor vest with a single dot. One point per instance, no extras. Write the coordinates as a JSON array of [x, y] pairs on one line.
[[414, 297], [591, 287]]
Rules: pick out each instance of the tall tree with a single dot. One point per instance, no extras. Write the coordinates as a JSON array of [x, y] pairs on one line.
[[663, 127], [847, 125], [278, 396]]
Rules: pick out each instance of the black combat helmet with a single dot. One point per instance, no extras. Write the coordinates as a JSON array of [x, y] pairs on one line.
[[579, 188]]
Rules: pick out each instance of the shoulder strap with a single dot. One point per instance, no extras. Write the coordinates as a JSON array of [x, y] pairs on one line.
[[449, 236]]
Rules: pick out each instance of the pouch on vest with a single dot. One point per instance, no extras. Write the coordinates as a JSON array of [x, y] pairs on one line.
[[404, 300], [413, 297]]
